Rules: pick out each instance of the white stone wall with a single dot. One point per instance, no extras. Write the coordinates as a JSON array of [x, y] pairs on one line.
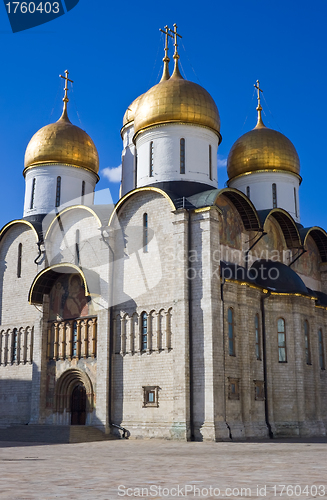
[[260, 184], [46, 186], [166, 154], [128, 160]]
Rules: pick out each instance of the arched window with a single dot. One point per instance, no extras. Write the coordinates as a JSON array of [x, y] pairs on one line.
[[231, 333], [58, 190], [274, 195], [257, 336], [145, 233], [151, 159], [210, 163], [307, 343], [182, 156], [321, 350], [248, 191], [14, 345], [33, 193], [77, 257], [83, 192], [295, 203], [19, 260], [144, 332], [282, 354]]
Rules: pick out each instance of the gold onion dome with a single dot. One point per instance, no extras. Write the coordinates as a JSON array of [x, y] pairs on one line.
[[64, 143], [177, 100], [262, 149], [130, 111]]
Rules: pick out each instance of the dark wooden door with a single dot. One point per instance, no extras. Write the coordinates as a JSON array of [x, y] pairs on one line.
[[78, 405]]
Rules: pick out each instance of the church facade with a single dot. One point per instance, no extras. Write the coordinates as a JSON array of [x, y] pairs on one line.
[[183, 311]]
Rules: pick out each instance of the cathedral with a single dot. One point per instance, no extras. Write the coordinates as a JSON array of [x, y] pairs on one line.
[[183, 311]]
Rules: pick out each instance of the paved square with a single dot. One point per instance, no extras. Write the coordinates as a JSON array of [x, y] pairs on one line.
[[164, 469]]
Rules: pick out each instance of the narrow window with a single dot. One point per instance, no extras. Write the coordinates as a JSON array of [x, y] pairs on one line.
[[135, 173], [321, 351], [233, 388], [210, 163], [248, 191], [144, 333], [282, 355], [19, 260], [83, 192], [77, 256], [257, 336], [295, 202], [14, 345], [151, 159], [74, 353], [182, 156], [231, 335], [307, 343], [58, 189], [33, 193], [274, 195], [145, 233]]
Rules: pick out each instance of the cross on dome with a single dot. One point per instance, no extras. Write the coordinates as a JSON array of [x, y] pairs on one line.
[[65, 99], [259, 108], [165, 74]]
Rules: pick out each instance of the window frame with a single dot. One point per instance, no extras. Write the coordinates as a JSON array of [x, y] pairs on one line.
[[33, 194], [83, 193], [231, 332], [274, 194], [147, 392], [58, 191], [257, 337], [14, 346], [321, 350], [233, 394], [144, 331], [19, 260], [295, 203], [145, 232], [280, 346], [307, 349], [182, 156], [248, 192], [210, 162], [151, 159]]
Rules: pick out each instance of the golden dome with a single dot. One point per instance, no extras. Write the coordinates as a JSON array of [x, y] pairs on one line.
[[62, 142], [177, 100], [130, 111], [262, 149]]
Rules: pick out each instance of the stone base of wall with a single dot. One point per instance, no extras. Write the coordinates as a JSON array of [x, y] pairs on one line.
[[163, 430], [299, 429]]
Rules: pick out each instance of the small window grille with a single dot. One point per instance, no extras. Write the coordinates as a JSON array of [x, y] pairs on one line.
[[233, 388], [259, 390], [14, 345], [75, 339]]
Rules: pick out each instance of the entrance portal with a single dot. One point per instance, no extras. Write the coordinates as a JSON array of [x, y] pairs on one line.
[[78, 405]]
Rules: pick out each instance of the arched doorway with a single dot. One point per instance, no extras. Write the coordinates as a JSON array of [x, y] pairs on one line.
[[78, 405], [74, 398]]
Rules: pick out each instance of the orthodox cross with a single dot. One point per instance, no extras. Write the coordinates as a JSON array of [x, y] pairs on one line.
[[175, 37], [65, 99], [166, 32], [257, 86]]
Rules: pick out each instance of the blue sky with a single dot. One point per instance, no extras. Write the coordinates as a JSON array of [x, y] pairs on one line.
[[113, 51]]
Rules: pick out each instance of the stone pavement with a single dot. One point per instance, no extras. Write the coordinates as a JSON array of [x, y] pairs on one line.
[[110, 470]]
